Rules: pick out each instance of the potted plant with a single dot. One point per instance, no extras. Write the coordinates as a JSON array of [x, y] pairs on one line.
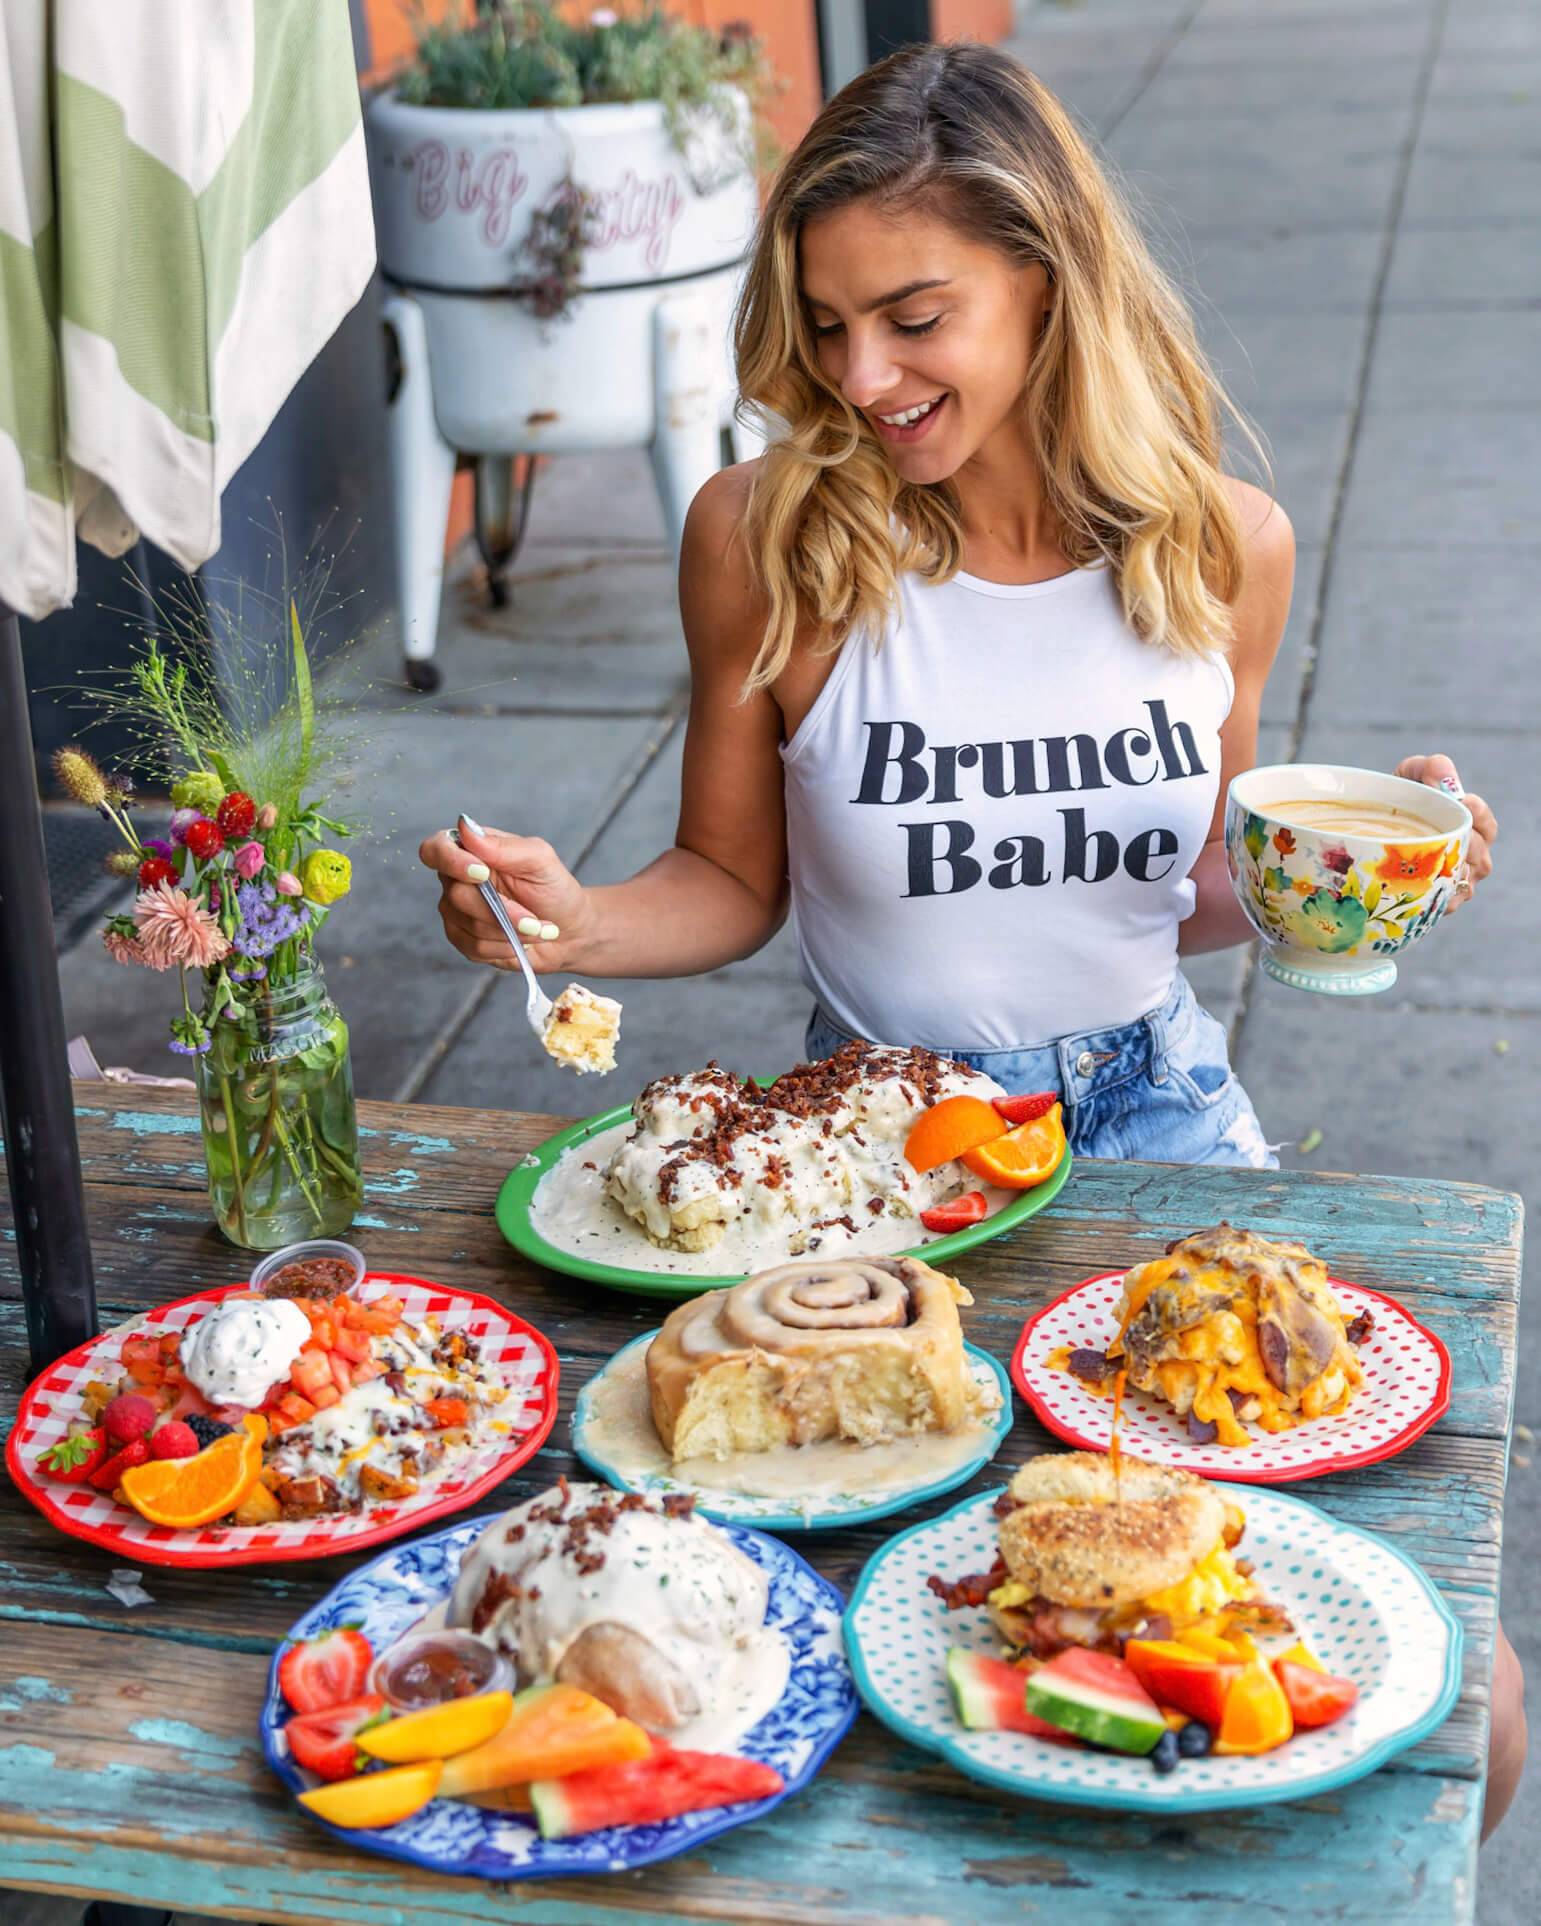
[[232, 894], [562, 209]]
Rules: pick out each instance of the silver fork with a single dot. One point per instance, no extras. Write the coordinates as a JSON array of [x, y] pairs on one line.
[[537, 1005]]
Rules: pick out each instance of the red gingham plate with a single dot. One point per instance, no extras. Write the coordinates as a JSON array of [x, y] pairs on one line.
[[1406, 1388], [525, 1358]]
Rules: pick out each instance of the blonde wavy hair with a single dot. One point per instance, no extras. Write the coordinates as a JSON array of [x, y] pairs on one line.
[[1123, 411]]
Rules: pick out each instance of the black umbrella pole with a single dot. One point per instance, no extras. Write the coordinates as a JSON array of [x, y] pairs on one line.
[[42, 1156]]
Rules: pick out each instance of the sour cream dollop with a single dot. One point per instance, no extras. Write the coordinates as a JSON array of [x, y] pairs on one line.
[[243, 1348]]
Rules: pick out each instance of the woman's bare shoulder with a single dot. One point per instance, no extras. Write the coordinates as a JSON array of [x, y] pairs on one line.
[[1266, 530], [719, 598]]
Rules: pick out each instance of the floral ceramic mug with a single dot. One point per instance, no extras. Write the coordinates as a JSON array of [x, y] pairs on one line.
[[1334, 906]]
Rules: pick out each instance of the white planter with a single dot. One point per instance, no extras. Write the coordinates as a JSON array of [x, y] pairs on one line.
[[454, 190]]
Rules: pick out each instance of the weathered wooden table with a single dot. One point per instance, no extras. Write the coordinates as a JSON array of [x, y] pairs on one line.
[[130, 1765]]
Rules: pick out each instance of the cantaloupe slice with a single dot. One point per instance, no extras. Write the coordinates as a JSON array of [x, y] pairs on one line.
[[551, 1731], [439, 1731]]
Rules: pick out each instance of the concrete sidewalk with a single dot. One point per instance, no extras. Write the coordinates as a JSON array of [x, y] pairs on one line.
[[1351, 190]]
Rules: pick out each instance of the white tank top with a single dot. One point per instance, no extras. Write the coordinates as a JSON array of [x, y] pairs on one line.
[[992, 816]]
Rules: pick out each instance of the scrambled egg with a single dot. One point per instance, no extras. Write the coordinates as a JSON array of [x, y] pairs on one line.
[[1212, 1584]]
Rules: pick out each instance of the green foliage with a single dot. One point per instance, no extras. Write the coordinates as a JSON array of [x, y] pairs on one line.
[[520, 54]]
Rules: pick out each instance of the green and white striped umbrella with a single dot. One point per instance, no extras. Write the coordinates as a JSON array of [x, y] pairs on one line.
[[184, 221]]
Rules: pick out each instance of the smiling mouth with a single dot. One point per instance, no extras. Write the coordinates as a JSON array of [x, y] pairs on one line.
[[908, 424]]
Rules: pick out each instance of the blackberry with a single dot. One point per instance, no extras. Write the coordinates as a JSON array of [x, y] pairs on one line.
[[206, 1430]]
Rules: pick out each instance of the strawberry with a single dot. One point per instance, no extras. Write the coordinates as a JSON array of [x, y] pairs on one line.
[[236, 815], [72, 1460], [204, 839], [326, 1742], [174, 1439], [155, 869], [957, 1213], [327, 1670], [1021, 1110], [130, 1415], [108, 1474]]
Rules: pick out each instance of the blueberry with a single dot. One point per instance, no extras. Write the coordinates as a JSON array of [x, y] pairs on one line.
[[1195, 1739], [206, 1430], [1167, 1752]]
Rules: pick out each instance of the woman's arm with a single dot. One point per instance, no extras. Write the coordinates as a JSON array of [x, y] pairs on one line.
[[1262, 609], [720, 892]]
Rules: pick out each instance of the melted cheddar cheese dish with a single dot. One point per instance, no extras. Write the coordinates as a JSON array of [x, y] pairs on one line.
[[1230, 1328]]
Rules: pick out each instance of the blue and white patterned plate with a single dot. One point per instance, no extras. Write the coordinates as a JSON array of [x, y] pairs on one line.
[[1366, 1611], [771, 1514], [385, 1598]]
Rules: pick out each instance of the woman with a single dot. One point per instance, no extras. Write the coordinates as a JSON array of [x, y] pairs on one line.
[[976, 645]]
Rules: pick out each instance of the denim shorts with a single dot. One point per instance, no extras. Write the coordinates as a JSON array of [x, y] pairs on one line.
[[1160, 1088]]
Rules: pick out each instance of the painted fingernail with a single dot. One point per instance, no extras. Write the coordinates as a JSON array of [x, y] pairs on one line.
[[472, 824], [478, 872], [549, 932], [1451, 785], [529, 926]]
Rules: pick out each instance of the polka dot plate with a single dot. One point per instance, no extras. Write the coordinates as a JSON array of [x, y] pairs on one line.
[[1366, 1610], [1406, 1389], [522, 1356], [831, 1510]]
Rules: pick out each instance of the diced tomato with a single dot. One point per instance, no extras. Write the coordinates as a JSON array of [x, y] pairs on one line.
[[377, 1323], [362, 1373], [352, 1345], [295, 1408], [446, 1412], [325, 1395], [170, 1344], [1315, 1698], [342, 1374], [309, 1371], [148, 1372], [957, 1213], [323, 1332]]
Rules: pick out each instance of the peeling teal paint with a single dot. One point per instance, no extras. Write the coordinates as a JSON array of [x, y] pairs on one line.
[[396, 1184], [425, 1146], [188, 1738], [155, 1123], [380, 1223], [32, 1691]]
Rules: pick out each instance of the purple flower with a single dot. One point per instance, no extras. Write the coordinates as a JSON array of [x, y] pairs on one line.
[[182, 820], [1337, 859], [189, 1038], [265, 921], [158, 846]]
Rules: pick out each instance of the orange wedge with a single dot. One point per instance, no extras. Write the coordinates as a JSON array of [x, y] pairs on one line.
[[185, 1492], [949, 1129], [1020, 1158]]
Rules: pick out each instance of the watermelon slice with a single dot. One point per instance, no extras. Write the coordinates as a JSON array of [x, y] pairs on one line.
[[991, 1696], [1097, 1697], [658, 1787]]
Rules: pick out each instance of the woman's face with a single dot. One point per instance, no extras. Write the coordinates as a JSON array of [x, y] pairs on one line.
[[910, 314]]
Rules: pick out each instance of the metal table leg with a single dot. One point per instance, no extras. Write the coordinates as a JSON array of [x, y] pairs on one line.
[[42, 1157]]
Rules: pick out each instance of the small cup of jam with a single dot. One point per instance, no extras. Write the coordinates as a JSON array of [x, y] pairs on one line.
[[430, 1668], [322, 1267]]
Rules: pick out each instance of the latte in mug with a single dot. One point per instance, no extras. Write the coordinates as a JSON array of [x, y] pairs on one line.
[[1346, 816]]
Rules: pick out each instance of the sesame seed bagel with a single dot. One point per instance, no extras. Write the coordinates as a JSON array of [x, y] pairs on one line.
[[1077, 1538]]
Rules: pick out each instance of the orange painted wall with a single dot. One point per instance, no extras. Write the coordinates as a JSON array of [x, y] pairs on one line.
[[971, 19]]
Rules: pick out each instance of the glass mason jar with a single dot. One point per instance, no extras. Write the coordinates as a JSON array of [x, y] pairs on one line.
[[280, 1131]]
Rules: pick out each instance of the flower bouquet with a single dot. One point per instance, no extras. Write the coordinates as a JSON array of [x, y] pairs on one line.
[[232, 897]]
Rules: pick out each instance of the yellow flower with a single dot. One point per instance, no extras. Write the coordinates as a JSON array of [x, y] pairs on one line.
[[78, 773], [327, 874]]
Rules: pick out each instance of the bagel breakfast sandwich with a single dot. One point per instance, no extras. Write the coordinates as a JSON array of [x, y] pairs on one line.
[[1092, 1554]]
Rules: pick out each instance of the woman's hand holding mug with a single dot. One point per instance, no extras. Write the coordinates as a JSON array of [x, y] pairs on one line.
[[1439, 773]]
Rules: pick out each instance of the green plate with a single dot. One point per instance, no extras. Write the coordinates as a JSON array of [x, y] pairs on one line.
[[518, 1193]]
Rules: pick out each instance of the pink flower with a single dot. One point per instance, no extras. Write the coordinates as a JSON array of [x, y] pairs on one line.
[[288, 884], [249, 859], [177, 933], [267, 815], [121, 948]]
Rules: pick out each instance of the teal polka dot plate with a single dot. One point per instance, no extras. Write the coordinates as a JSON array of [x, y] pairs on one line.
[[1365, 1609]]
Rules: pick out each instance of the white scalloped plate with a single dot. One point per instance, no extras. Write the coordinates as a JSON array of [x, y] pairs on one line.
[[1362, 1606], [1406, 1388]]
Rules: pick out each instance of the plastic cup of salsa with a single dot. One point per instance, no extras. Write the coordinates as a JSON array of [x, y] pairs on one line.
[[337, 1267], [431, 1668]]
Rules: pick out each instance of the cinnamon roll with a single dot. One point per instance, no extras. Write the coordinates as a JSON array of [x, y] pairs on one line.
[[867, 1349]]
